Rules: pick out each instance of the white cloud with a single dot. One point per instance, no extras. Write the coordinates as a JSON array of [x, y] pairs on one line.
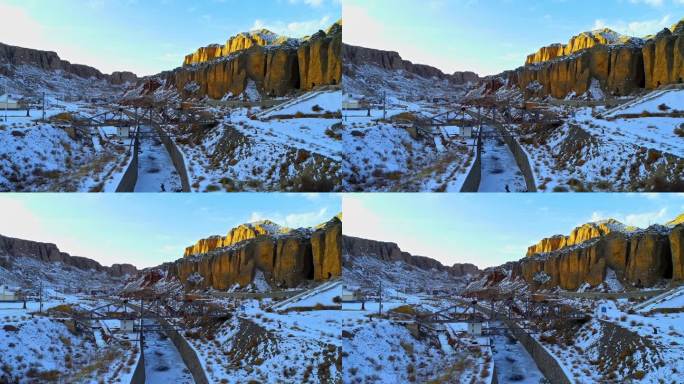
[[294, 220], [294, 29], [636, 28], [641, 220]]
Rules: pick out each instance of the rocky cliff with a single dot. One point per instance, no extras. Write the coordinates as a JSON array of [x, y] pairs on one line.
[[240, 42], [234, 236], [50, 61], [392, 61], [285, 258], [639, 257], [390, 252], [275, 65], [620, 64], [581, 42], [49, 253]]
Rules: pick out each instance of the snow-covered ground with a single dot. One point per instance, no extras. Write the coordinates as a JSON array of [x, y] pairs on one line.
[[155, 167], [277, 154], [51, 155], [499, 169], [271, 347], [163, 363], [382, 350], [513, 363], [598, 150], [384, 153]]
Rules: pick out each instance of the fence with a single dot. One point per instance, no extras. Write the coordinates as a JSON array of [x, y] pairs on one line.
[[472, 181], [176, 157], [139, 373], [130, 177]]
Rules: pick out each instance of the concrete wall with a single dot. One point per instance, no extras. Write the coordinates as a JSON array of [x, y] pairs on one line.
[[187, 353], [139, 373], [130, 177], [546, 363], [519, 154], [176, 157], [472, 181]]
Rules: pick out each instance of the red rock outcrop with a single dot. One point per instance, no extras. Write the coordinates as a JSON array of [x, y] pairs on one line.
[[664, 58], [284, 259], [234, 236], [639, 257], [277, 66], [620, 64], [580, 42]]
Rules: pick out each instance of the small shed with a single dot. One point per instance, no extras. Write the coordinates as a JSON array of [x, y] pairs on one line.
[[466, 132], [475, 328], [348, 296], [8, 294], [127, 326]]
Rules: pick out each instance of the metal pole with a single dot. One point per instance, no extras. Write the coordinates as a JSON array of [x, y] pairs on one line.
[[43, 106], [6, 102], [380, 306], [40, 296]]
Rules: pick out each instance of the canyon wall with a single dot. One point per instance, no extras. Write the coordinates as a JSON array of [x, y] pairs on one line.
[[392, 61], [390, 252], [638, 257], [620, 64], [49, 253], [275, 66], [50, 61], [284, 259]]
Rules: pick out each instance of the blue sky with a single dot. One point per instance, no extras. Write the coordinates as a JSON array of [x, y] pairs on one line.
[[489, 36], [149, 229], [149, 36], [491, 229]]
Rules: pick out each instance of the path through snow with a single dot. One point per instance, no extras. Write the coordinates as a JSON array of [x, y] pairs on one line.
[[163, 363], [513, 363], [155, 166], [499, 168]]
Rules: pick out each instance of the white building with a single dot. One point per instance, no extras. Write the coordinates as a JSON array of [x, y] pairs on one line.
[[8, 103], [8, 294], [127, 326], [475, 328]]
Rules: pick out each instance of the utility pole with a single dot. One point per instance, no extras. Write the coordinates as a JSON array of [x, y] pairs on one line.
[[142, 334], [384, 105], [40, 296], [43, 106], [6, 103], [380, 306]]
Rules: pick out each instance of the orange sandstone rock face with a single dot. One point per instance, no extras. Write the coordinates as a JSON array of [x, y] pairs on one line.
[[639, 258], [664, 58], [276, 65], [285, 258], [677, 249], [578, 43]]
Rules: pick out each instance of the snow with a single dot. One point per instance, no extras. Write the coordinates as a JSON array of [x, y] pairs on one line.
[[513, 363], [317, 103], [673, 99], [499, 168], [163, 362], [155, 167]]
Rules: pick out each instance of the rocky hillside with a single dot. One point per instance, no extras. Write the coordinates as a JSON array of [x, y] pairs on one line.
[[390, 252], [50, 61], [358, 56], [595, 251], [368, 263], [621, 64], [285, 258], [276, 65], [11, 248]]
